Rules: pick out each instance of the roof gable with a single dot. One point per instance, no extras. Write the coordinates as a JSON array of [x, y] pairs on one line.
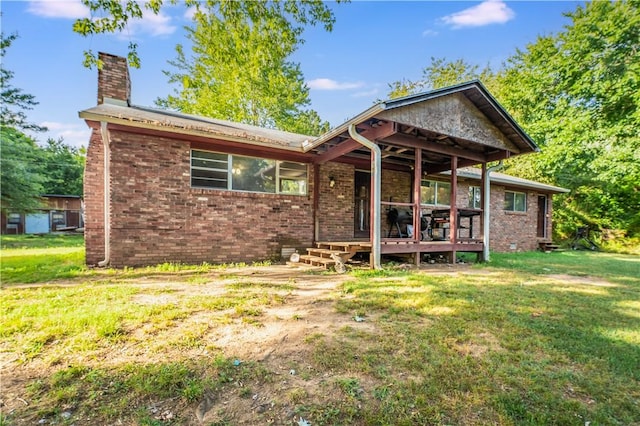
[[453, 115]]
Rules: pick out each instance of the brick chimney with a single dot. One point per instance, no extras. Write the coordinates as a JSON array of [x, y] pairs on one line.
[[113, 79]]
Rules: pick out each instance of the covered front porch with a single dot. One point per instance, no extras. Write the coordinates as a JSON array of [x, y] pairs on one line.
[[404, 197]]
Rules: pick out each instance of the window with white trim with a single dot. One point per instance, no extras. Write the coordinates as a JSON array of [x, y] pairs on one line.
[[435, 193], [252, 174], [515, 201], [475, 197]]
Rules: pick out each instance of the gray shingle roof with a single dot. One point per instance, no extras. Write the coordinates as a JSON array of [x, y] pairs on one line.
[[186, 123]]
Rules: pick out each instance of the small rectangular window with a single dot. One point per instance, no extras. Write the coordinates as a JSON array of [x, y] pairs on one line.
[[13, 218], [475, 197], [209, 169], [428, 192], [435, 193], [515, 201], [292, 178]]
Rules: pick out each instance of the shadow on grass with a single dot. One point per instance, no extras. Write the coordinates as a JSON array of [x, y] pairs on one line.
[[529, 351]]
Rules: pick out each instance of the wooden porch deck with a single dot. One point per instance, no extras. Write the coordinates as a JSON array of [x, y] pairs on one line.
[[325, 252]]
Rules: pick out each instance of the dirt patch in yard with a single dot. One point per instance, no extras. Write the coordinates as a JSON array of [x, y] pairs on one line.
[[275, 337], [275, 340]]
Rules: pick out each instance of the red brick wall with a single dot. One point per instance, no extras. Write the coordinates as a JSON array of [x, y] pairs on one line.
[[94, 200], [336, 206], [514, 231], [157, 217], [396, 186]]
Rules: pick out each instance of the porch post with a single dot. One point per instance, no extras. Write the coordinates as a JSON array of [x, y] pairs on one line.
[[316, 202], [417, 181], [482, 195], [453, 212]]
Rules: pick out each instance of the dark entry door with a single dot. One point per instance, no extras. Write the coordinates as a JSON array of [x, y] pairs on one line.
[[542, 216], [362, 206]]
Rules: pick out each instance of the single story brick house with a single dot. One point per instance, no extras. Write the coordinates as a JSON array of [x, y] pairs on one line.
[[165, 186], [58, 213]]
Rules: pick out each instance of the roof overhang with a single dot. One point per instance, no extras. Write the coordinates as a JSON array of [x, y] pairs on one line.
[[189, 125]]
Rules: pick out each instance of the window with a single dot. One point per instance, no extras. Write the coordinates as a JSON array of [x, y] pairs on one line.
[[239, 173], [253, 174], [435, 193], [515, 201], [13, 218], [475, 197], [292, 178], [209, 169], [58, 219]]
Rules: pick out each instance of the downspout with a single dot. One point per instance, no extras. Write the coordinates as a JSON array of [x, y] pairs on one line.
[[376, 169], [487, 210], [107, 194]]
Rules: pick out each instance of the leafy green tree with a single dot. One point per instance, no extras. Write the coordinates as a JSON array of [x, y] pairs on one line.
[[577, 93], [64, 165], [112, 16], [13, 101], [239, 68], [21, 171], [441, 73]]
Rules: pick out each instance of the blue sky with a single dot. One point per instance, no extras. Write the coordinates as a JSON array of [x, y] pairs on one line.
[[373, 43]]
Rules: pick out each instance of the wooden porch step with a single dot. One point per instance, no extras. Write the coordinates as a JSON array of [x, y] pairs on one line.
[[323, 253], [547, 246], [349, 246], [326, 253], [317, 261]]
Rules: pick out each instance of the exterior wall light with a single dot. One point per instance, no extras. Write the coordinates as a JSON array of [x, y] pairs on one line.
[[332, 181]]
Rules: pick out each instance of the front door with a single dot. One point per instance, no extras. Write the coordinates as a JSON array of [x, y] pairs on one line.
[[362, 206], [542, 216]]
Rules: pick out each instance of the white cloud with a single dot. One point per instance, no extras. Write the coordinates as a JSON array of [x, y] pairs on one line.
[[429, 33], [67, 9], [486, 13], [73, 134], [151, 24], [328, 84]]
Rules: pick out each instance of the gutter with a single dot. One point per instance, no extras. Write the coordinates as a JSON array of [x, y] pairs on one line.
[[376, 169], [487, 210], [364, 116], [106, 142]]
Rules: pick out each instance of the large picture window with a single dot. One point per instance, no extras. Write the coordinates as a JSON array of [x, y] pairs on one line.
[[253, 174], [435, 193], [515, 201], [239, 173]]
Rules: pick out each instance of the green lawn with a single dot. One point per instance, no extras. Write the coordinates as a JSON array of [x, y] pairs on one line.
[[532, 338], [40, 258]]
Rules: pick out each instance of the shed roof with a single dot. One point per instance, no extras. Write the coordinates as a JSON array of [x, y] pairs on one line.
[[508, 180]]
